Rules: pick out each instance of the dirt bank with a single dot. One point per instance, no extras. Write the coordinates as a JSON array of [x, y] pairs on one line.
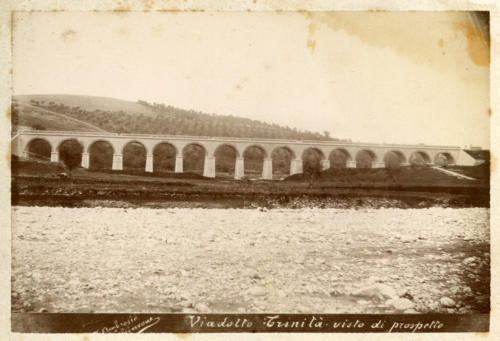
[[34, 191]]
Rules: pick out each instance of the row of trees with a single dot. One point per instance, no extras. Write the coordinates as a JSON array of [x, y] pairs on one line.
[[168, 120]]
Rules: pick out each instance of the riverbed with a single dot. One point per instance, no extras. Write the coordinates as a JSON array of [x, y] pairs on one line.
[[385, 260]]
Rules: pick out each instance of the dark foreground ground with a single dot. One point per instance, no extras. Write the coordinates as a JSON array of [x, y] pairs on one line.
[[37, 183]]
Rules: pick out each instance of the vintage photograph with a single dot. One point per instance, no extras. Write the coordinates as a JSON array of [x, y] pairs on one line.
[[199, 163]]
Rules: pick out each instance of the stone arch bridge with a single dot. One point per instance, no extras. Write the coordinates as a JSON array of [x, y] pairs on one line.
[[349, 150]]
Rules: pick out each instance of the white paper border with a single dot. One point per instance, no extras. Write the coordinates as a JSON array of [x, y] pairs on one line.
[[7, 6]]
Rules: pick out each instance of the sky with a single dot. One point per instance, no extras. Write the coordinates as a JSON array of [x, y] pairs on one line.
[[382, 77]]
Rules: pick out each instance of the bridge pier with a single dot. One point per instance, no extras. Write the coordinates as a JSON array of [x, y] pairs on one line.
[[351, 164], [267, 169], [209, 167], [296, 166], [179, 161], [239, 168], [117, 162], [54, 157], [85, 160], [149, 163], [325, 164]]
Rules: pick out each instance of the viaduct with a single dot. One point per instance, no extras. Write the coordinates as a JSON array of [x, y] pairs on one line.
[[349, 150]]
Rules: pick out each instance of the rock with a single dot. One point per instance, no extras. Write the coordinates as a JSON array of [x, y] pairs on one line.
[[407, 295], [202, 308], [336, 292], [482, 300], [463, 310], [410, 311], [301, 309], [374, 279], [43, 310], [257, 291], [256, 276], [401, 304], [407, 239], [470, 260], [375, 291], [176, 308], [447, 302]]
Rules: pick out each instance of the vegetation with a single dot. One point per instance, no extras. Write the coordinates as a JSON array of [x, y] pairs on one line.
[[70, 153], [158, 119]]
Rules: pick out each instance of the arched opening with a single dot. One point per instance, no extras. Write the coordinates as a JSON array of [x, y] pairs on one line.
[[225, 160], [164, 155], [394, 159], [444, 159], [101, 155], [365, 159], [311, 160], [70, 153], [339, 157], [254, 161], [282, 158], [134, 156], [193, 158], [419, 158], [39, 149]]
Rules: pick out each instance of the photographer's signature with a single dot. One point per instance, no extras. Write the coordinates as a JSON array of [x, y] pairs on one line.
[[133, 324]]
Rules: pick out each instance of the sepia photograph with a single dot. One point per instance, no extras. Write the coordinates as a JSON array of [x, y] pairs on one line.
[[244, 171]]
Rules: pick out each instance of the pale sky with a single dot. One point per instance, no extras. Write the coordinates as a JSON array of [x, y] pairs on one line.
[[394, 77]]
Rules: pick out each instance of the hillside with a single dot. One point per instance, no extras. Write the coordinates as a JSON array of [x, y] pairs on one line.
[[86, 113], [33, 117]]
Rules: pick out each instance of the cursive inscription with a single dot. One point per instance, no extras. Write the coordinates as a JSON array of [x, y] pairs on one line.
[[133, 324]]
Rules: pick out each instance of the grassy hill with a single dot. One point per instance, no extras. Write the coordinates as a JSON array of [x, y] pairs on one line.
[[113, 115], [33, 117], [89, 103]]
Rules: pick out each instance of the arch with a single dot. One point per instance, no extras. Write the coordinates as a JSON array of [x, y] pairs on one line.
[[164, 154], [225, 156], [230, 145], [282, 157], [70, 152], [288, 149], [194, 157], [91, 143], [254, 156], [101, 154], [163, 143], [419, 158], [134, 155], [339, 158], [252, 146], [73, 139], [394, 159], [311, 159], [38, 148], [365, 158], [134, 142], [314, 149], [444, 159]]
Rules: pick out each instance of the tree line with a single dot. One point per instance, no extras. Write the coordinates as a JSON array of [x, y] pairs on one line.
[[168, 120]]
